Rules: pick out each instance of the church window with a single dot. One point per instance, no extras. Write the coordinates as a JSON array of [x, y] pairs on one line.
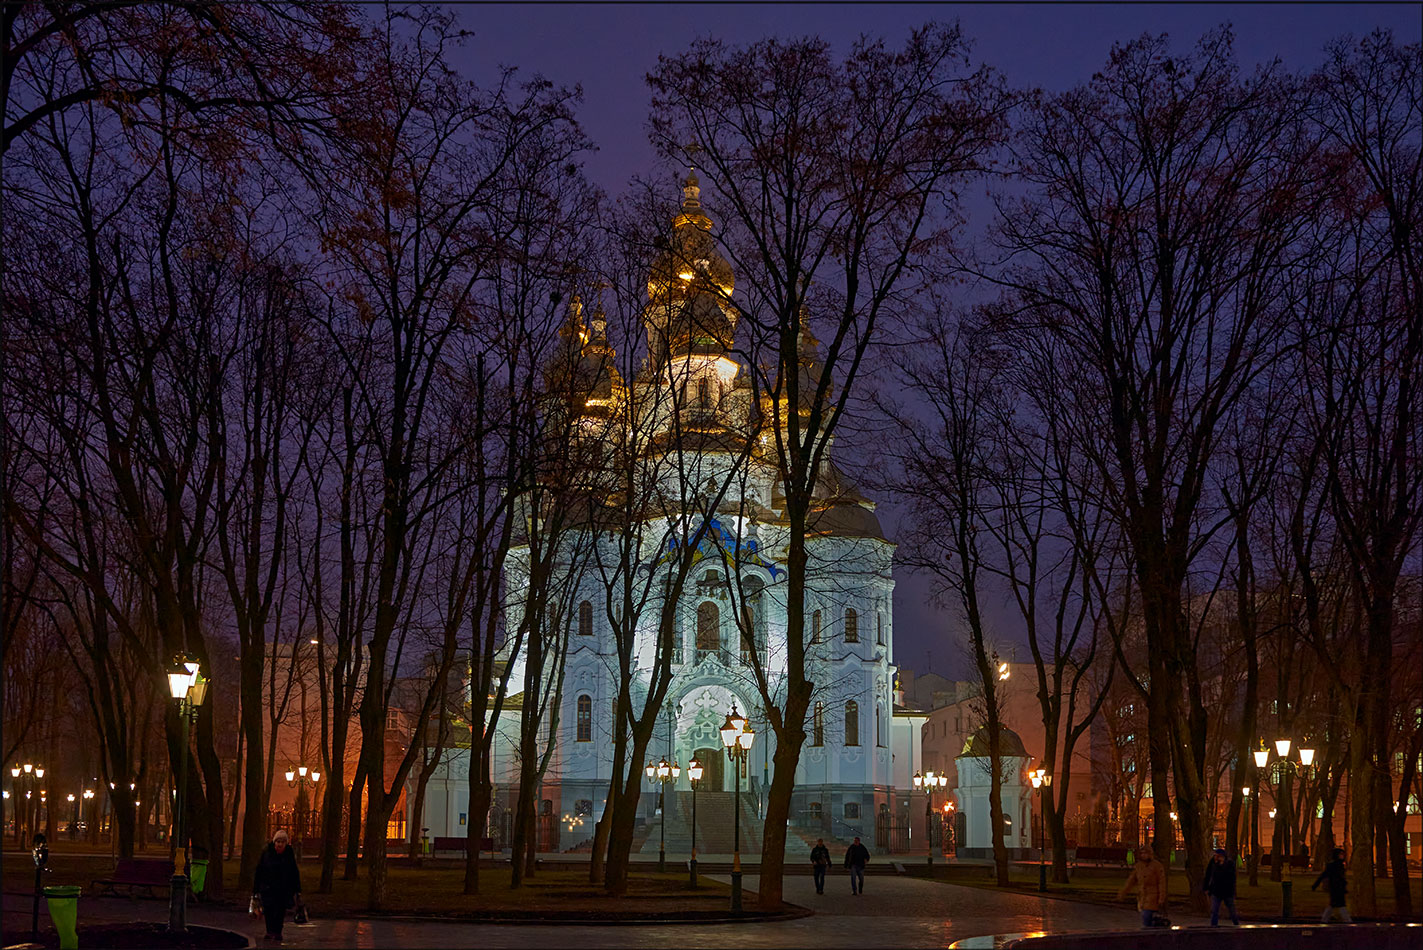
[[708, 627], [879, 725], [852, 723], [815, 627], [852, 625], [704, 392], [852, 809], [879, 628], [815, 810], [818, 725], [585, 619], [585, 718], [582, 807]]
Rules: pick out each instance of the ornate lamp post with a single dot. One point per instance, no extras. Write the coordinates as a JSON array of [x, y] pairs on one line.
[[1042, 780], [26, 777], [188, 688], [737, 735], [930, 781], [1287, 767], [662, 774], [949, 829], [694, 778], [301, 777]]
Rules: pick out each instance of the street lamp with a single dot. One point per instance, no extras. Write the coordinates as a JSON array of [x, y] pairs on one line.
[[662, 773], [301, 777], [188, 688], [694, 778], [26, 778], [1288, 767], [737, 735], [1041, 780], [929, 781]]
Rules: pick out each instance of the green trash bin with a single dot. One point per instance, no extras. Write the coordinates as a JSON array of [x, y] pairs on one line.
[[63, 901], [200, 874]]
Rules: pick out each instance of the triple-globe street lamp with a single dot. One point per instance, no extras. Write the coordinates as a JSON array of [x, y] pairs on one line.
[[26, 778], [662, 774], [188, 688], [1042, 781], [301, 778], [929, 782], [737, 735], [1287, 767]]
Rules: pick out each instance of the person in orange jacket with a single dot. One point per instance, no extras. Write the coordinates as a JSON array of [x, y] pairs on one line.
[[1149, 880]]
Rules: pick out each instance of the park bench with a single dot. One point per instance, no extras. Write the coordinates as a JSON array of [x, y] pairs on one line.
[[137, 872], [1100, 855], [459, 844]]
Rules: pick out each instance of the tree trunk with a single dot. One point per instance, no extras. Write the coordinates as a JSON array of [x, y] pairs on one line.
[[481, 791], [354, 825]]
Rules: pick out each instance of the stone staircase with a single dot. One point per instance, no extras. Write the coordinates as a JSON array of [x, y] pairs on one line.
[[715, 825]]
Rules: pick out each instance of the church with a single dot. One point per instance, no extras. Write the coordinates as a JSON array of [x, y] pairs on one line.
[[693, 389]]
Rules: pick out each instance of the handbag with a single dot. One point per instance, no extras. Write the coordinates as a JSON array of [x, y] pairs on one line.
[[255, 907], [300, 917]]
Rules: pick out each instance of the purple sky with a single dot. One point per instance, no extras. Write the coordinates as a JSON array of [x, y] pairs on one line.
[[608, 50]]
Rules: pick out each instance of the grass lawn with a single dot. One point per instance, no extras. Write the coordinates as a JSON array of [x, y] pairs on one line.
[[437, 891], [1101, 885]]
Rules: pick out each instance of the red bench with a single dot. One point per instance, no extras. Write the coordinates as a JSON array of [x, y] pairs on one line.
[[147, 873]]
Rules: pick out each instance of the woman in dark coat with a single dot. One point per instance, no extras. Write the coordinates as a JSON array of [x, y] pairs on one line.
[[277, 883]]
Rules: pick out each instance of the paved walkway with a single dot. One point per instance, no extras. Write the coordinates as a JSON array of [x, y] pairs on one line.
[[895, 911]]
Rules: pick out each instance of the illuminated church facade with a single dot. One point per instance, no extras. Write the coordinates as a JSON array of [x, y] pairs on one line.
[[697, 404]]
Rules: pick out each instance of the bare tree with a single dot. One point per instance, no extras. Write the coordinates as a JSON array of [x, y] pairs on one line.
[[1164, 202], [1364, 360], [830, 175]]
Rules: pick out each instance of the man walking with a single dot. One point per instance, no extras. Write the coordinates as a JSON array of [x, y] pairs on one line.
[[856, 857], [1336, 874], [1149, 880], [820, 863], [1220, 885]]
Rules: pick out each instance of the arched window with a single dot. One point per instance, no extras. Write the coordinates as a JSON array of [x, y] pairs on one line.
[[585, 619], [704, 393], [852, 723], [815, 627], [708, 627], [852, 625], [817, 724], [879, 725], [585, 718], [879, 628]]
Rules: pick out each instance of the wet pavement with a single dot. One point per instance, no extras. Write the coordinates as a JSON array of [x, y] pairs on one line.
[[895, 911]]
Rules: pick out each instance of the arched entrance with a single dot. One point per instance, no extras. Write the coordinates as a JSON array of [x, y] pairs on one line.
[[713, 767], [700, 715]]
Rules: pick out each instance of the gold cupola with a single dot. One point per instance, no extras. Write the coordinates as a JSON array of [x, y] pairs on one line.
[[689, 307]]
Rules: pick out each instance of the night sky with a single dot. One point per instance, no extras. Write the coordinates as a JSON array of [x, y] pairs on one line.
[[608, 50]]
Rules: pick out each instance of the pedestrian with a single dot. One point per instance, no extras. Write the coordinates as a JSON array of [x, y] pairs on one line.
[[1336, 874], [820, 862], [277, 883], [1149, 880], [856, 857], [1220, 886]]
